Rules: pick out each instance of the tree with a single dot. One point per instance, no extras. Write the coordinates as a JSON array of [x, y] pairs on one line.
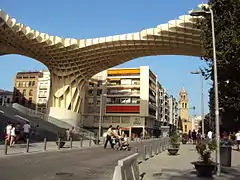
[[207, 123], [227, 32]]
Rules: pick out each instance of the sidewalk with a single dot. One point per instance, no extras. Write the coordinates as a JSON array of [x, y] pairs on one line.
[[179, 167], [20, 149]]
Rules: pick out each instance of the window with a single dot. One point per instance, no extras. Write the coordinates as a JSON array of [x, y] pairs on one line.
[[185, 105], [99, 92], [30, 83], [31, 92], [24, 84], [24, 92], [182, 105], [185, 128], [33, 83], [17, 84]]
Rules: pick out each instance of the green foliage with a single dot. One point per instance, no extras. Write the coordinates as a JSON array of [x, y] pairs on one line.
[[205, 149], [207, 123], [174, 139], [227, 33]]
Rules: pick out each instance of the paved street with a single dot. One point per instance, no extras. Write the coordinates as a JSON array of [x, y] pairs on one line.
[[92, 163], [179, 167]]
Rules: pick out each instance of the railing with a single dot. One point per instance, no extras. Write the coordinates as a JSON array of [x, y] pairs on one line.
[[33, 113], [128, 168]]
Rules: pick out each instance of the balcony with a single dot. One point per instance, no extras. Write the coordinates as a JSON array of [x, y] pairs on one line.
[[123, 94], [123, 85], [43, 87], [42, 96]]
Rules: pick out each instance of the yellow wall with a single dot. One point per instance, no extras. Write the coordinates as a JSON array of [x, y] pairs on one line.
[[184, 111]]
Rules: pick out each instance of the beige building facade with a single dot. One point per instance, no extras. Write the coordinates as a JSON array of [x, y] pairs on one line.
[[130, 97], [43, 91], [25, 88]]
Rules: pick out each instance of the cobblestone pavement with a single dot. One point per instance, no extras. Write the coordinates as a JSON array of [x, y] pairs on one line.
[[165, 167], [84, 164]]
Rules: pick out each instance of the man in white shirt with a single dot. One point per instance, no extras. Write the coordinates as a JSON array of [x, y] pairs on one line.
[[238, 140], [26, 130], [209, 135], [8, 131]]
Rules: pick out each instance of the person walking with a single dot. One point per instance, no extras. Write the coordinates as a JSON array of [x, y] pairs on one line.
[[210, 135], [109, 137], [194, 136], [8, 132], [26, 130], [13, 136], [238, 139]]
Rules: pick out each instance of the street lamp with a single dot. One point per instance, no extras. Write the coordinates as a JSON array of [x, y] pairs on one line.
[[202, 101], [201, 12]]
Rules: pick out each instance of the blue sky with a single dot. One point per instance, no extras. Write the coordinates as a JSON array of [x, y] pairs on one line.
[[94, 18]]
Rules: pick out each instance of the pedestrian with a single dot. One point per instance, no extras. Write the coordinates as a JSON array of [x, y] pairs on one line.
[[210, 135], [72, 133], [26, 130], [13, 136], [194, 136], [8, 132], [68, 134], [238, 139], [109, 137], [190, 136], [18, 132]]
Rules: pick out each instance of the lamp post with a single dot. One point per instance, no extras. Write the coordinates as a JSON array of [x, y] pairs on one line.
[[202, 101], [100, 116], [201, 12]]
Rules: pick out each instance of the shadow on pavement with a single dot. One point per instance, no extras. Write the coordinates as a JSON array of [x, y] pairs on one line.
[[228, 173]]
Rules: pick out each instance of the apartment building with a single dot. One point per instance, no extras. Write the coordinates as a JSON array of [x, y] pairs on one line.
[[43, 90], [173, 111], [129, 97], [5, 97], [25, 88]]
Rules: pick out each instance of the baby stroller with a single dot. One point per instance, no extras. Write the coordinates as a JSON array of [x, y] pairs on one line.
[[125, 146]]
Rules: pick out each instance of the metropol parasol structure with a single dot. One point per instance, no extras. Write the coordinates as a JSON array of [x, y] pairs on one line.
[[72, 62]]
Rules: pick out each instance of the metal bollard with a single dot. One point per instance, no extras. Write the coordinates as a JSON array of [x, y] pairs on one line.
[[71, 141], [90, 141], [45, 144], [145, 153], [136, 150], [5, 146], [157, 149], [150, 151], [27, 146], [59, 142], [160, 147], [81, 142]]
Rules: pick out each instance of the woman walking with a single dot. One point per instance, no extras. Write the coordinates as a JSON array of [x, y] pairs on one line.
[[109, 137], [13, 136]]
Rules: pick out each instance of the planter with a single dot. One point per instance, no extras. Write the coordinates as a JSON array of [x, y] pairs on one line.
[[205, 169], [173, 151], [176, 145], [62, 143], [184, 141]]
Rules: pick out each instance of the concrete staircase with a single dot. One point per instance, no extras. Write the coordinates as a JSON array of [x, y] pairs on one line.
[[20, 113]]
